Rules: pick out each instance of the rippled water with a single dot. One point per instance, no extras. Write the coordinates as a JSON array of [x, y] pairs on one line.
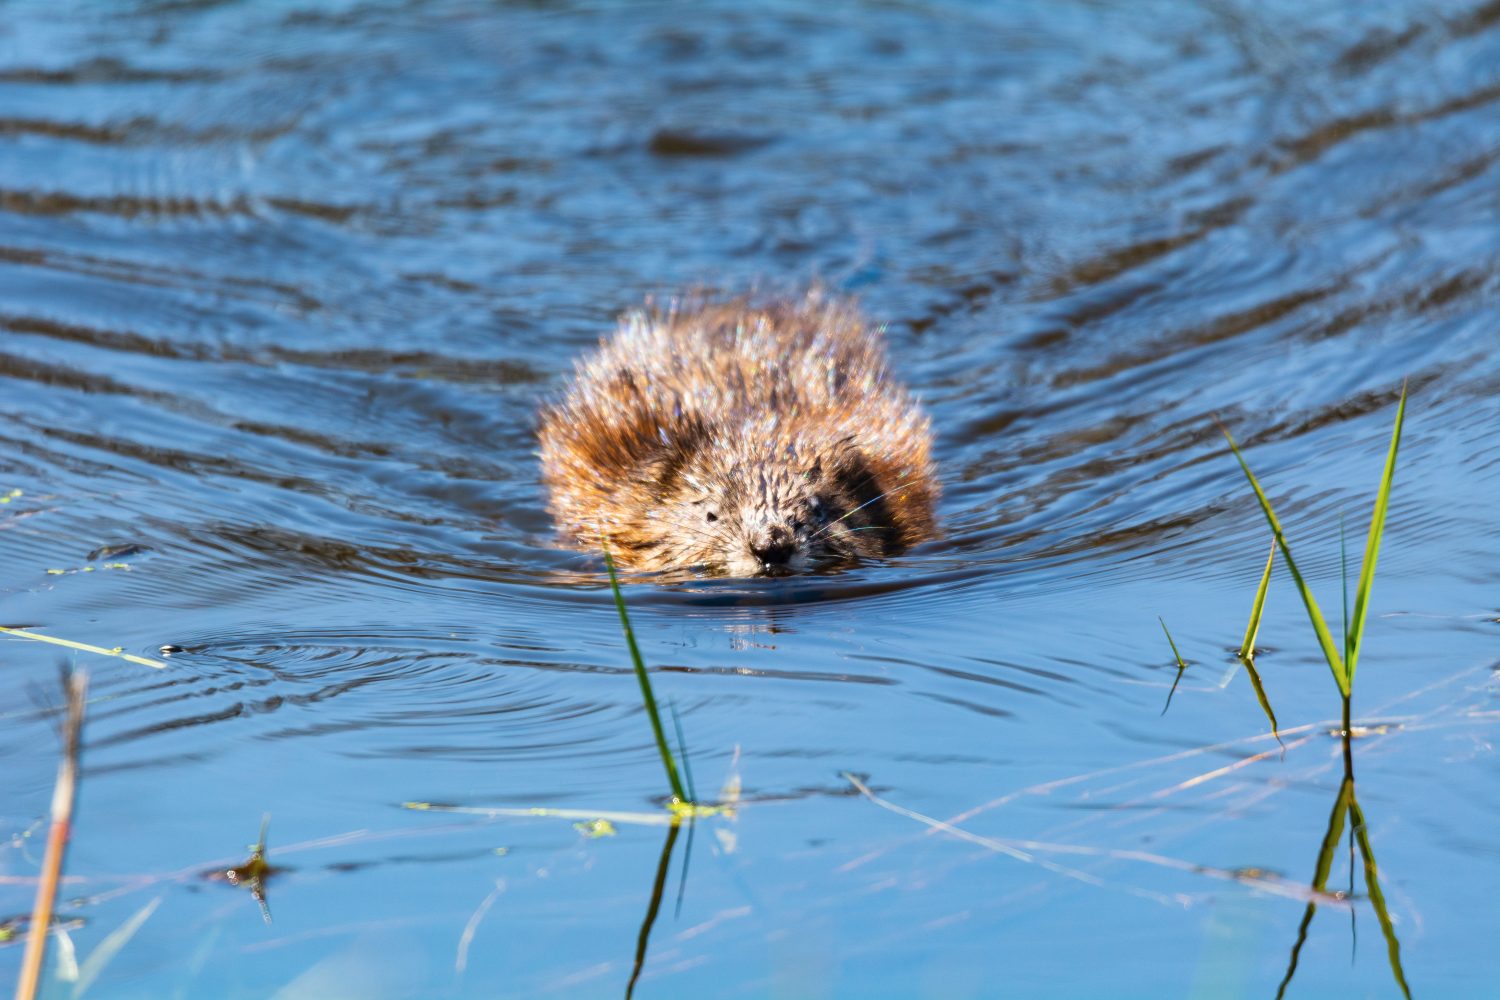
[[281, 287]]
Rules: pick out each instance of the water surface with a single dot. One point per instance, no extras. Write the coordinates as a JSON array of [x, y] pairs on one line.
[[281, 286]]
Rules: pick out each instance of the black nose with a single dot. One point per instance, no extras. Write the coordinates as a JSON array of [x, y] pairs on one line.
[[774, 545]]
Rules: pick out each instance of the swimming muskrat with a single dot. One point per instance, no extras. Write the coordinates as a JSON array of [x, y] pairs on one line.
[[740, 438]]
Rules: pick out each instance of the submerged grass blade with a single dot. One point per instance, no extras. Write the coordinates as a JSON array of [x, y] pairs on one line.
[[687, 861], [1320, 874], [1260, 696], [1314, 613], [114, 942], [687, 771], [678, 792], [1181, 665], [1252, 630], [652, 909], [1372, 540], [1377, 898]]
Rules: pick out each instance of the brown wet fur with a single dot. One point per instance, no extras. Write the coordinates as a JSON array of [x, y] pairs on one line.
[[740, 438]]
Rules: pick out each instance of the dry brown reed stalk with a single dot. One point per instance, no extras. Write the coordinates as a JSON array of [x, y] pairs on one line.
[[64, 793]]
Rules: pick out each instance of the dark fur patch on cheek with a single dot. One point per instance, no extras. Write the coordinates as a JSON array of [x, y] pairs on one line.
[[868, 508]]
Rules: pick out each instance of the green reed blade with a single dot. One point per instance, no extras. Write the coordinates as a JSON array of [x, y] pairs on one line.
[[1260, 695], [1246, 654], [1377, 898], [687, 863], [1344, 583], [1314, 614], [646, 695], [1372, 541], [1181, 666], [1252, 630], [682, 750]]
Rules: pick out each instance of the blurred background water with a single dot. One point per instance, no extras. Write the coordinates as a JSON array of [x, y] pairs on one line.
[[282, 284]]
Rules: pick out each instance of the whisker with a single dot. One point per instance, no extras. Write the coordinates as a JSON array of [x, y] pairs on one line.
[[829, 526]]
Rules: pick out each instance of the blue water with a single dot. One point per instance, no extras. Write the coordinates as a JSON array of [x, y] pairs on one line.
[[282, 285]]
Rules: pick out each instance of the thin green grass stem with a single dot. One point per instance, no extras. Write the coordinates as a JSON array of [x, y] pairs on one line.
[[1181, 665], [1252, 630], [687, 762], [678, 792], [1246, 655], [1372, 540], [1348, 732], [1314, 613], [1342, 665], [1344, 582]]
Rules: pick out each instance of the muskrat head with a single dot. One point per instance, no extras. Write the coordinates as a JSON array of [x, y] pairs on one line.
[[739, 510]]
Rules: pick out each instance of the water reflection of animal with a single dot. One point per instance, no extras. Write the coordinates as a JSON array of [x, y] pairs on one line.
[[740, 438]]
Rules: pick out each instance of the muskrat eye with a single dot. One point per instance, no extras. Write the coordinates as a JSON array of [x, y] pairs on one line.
[[711, 516]]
